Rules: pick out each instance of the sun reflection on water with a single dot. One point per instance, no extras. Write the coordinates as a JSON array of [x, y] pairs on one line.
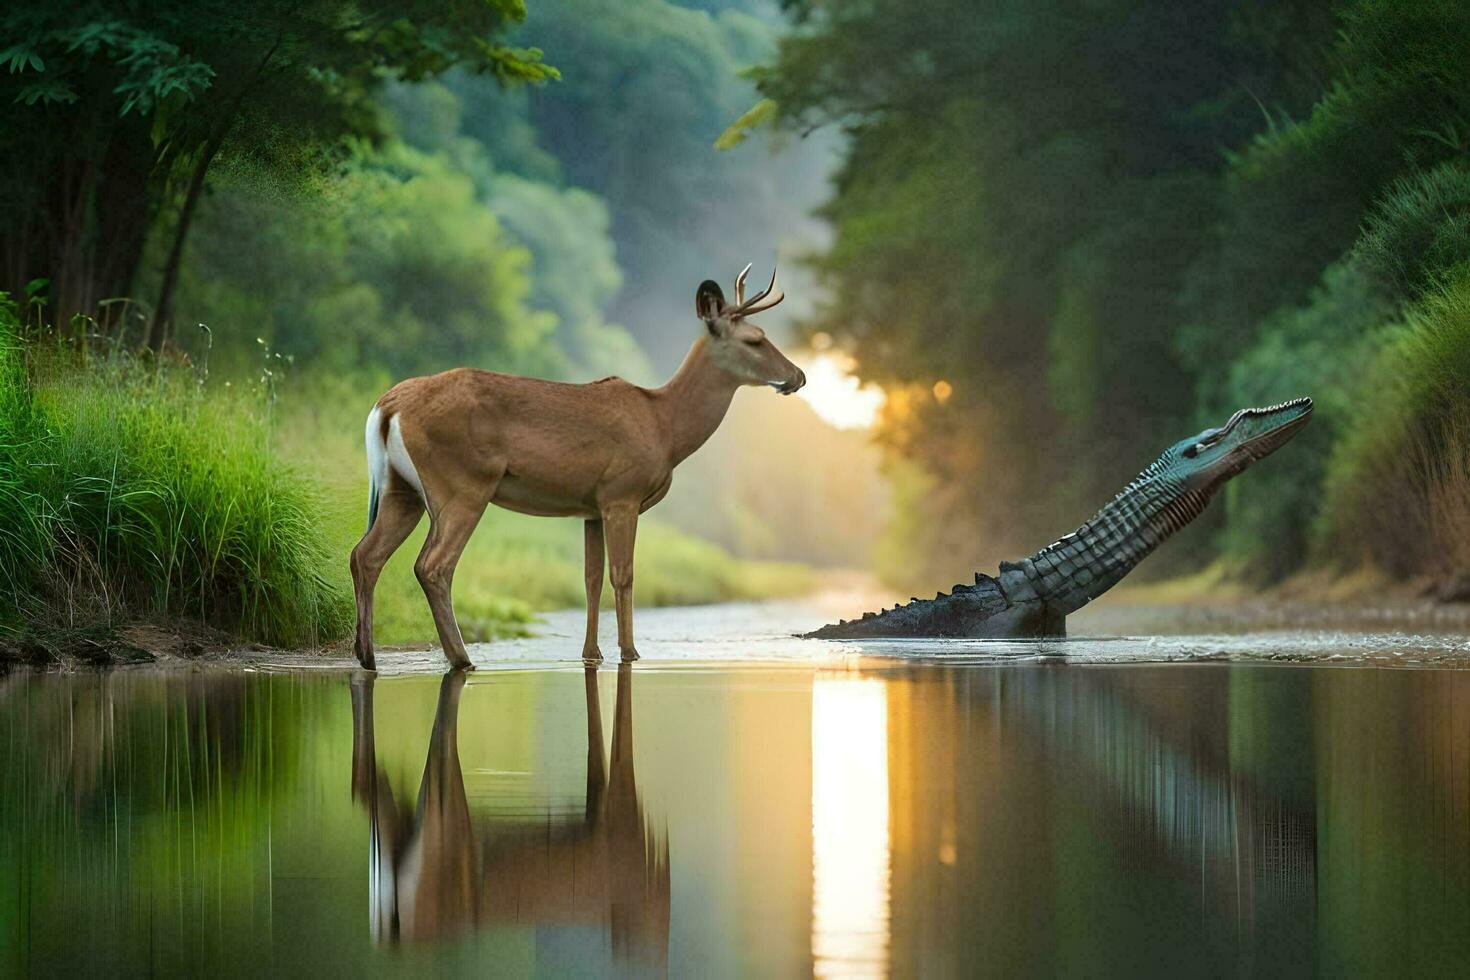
[[850, 859]]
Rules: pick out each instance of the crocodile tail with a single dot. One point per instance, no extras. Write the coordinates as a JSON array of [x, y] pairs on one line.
[[956, 613]]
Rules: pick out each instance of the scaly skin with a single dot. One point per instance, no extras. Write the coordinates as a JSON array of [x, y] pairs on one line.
[[1034, 596]]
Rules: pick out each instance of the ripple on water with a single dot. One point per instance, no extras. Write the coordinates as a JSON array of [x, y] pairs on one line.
[[1285, 646]]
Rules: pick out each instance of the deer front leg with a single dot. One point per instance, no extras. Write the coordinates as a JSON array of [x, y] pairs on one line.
[[621, 527], [595, 559]]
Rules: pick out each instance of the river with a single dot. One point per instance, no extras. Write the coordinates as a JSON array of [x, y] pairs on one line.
[[740, 803]]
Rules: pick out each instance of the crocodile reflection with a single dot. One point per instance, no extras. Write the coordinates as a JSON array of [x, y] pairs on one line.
[[1020, 791], [1177, 788], [439, 870]]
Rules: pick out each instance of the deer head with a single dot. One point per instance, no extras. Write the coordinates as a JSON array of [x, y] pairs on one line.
[[739, 347]]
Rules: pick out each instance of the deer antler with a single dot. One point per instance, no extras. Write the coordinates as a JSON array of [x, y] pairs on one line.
[[740, 284], [761, 301]]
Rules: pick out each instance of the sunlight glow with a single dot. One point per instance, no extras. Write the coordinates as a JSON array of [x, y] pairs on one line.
[[838, 397], [850, 846]]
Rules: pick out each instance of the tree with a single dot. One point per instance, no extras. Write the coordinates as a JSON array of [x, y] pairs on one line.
[[114, 111], [1027, 190]]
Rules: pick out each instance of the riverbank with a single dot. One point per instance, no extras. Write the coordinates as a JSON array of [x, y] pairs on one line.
[[750, 634], [147, 509], [1212, 599]]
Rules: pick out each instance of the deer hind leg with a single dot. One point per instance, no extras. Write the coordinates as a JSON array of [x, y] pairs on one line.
[[449, 531], [621, 527], [399, 511], [596, 557]]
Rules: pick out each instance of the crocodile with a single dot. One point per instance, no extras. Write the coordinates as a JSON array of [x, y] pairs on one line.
[[1033, 597]]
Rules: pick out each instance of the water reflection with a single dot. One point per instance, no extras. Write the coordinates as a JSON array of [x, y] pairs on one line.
[[1108, 808], [436, 870], [934, 820], [850, 859]]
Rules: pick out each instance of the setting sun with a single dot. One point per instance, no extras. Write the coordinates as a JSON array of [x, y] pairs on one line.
[[839, 397]]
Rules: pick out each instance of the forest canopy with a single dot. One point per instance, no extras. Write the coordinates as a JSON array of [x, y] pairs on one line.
[[112, 113], [1107, 226]]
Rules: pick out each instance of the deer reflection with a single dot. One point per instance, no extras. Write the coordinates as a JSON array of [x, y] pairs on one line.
[[437, 871]]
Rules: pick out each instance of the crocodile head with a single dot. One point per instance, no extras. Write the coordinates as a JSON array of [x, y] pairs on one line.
[[1209, 459]]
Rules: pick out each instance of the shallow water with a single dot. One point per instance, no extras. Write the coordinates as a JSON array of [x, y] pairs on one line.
[[755, 807]]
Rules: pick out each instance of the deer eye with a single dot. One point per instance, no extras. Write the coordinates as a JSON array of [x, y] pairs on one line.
[[753, 341]]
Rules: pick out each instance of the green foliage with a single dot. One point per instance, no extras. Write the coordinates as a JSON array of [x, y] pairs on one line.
[[1296, 196], [1395, 493], [1420, 233], [1203, 208], [128, 493], [1323, 347], [1022, 232], [150, 95], [751, 119], [575, 273], [420, 255], [397, 265], [650, 86]]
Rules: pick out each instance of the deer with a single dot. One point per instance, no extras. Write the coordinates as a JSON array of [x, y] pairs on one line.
[[439, 870], [452, 443]]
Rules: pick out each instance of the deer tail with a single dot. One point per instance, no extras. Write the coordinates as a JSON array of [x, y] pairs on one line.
[[377, 460]]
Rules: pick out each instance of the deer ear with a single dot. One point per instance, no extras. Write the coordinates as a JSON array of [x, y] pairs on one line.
[[709, 300]]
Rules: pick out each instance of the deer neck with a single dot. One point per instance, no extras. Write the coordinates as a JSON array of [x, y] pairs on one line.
[[695, 401]]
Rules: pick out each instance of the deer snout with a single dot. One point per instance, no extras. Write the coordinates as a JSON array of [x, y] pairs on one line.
[[792, 384]]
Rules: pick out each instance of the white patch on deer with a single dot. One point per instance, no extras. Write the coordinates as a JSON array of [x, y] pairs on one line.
[[399, 459], [377, 451]]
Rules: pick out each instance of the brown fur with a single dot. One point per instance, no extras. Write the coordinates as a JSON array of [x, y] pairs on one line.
[[604, 452], [443, 870]]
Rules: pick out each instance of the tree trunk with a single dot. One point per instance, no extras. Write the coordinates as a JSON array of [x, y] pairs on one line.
[[158, 330]]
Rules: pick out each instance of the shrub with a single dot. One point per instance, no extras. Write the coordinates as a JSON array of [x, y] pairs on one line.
[[1318, 349], [1396, 493], [128, 490], [1420, 233]]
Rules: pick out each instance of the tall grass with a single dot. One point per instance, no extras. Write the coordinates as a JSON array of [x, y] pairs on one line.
[[133, 492], [1397, 490]]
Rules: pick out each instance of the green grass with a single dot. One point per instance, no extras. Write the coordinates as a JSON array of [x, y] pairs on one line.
[[134, 493], [514, 565], [129, 493], [1397, 488]]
